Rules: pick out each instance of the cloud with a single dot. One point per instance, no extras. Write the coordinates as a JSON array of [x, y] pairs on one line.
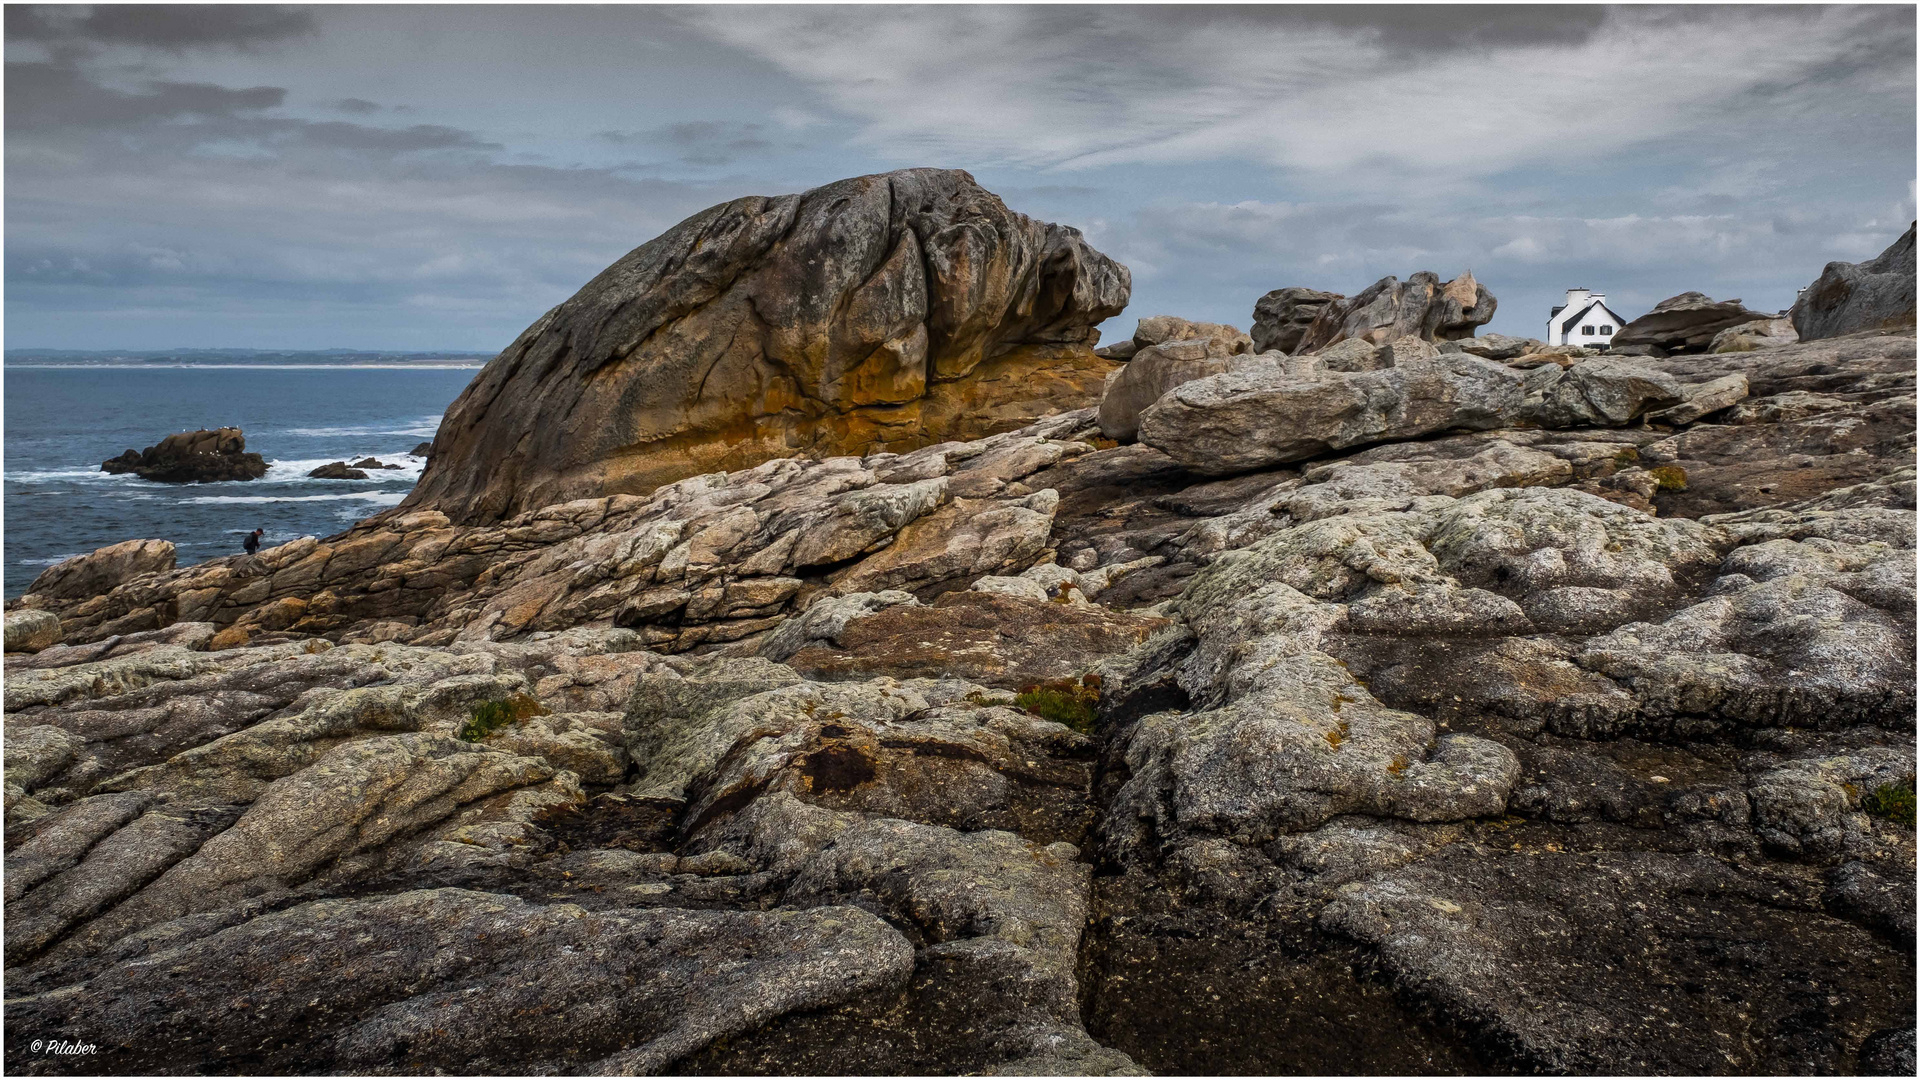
[[167, 27], [358, 106], [698, 142], [58, 96], [1350, 96]]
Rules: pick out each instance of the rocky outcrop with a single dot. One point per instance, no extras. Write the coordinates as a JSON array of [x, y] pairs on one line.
[[1423, 306], [1271, 412], [192, 457], [1850, 297], [1687, 323], [879, 313], [1281, 318], [337, 470], [1554, 712], [102, 571]]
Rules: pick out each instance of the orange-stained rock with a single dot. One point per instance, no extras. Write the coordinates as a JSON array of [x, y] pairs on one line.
[[884, 312]]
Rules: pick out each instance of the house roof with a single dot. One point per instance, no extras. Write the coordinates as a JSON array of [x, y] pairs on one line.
[[1561, 323]]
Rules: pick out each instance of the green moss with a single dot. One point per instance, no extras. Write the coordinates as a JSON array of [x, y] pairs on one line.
[[490, 716], [1669, 477], [1627, 456], [1891, 801], [1063, 702]]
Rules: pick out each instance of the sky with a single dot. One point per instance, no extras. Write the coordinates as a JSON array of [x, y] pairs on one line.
[[435, 177]]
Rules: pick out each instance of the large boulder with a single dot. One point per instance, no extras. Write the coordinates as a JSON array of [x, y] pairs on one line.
[[1850, 297], [1686, 323], [882, 312], [1281, 318], [192, 457], [1422, 306]]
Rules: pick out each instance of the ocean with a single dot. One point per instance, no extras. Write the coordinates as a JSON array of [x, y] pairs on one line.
[[68, 412]]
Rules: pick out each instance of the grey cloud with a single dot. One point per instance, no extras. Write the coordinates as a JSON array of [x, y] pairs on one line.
[[58, 95], [345, 136], [167, 27], [356, 105], [58, 102], [698, 142]]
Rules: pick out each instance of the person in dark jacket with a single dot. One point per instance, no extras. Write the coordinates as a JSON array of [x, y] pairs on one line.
[[252, 542]]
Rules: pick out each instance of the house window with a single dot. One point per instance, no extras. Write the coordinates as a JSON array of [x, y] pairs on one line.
[[1606, 329], [1586, 330]]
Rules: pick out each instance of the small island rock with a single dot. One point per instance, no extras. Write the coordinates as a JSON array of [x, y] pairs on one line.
[[192, 457]]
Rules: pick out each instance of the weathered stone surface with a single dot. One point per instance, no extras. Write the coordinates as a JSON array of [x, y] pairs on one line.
[[994, 640], [1685, 323], [1264, 414], [882, 312], [100, 571], [1220, 340], [1152, 372], [192, 457], [1423, 306], [1760, 334], [30, 631], [334, 985], [1555, 720], [1503, 347], [1850, 297], [1281, 317]]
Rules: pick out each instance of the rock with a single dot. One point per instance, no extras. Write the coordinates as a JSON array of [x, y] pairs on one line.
[[881, 312], [1850, 297], [29, 631], [193, 457], [368, 463], [1686, 323], [1281, 318], [1704, 398], [425, 449], [1494, 346], [1221, 341], [1423, 306], [1760, 334], [102, 570], [500, 956], [994, 637], [1150, 374], [337, 470], [1511, 944], [1261, 415]]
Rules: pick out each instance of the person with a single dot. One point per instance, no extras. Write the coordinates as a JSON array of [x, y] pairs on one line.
[[252, 542]]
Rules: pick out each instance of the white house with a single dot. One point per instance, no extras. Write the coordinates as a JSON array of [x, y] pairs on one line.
[[1585, 319]]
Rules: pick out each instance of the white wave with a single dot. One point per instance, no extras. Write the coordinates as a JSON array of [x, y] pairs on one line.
[[377, 498], [425, 427], [28, 476], [48, 562], [292, 471]]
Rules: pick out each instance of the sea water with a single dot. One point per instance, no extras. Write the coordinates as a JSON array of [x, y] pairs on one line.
[[67, 414]]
